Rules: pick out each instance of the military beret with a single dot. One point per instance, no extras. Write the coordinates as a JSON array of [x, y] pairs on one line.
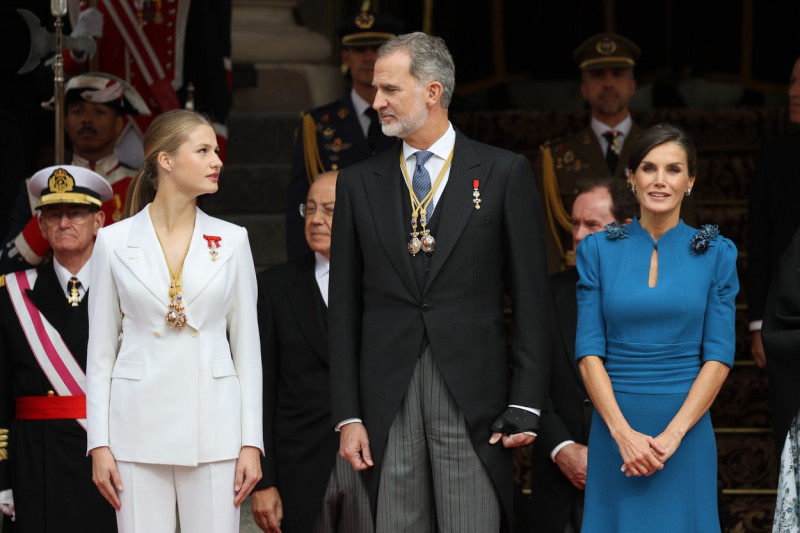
[[606, 50], [69, 184], [367, 28]]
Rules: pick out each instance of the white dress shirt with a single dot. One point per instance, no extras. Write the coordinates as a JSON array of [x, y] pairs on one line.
[[441, 151], [322, 267]]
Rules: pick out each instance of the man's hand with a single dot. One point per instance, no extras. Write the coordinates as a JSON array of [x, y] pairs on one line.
[[572, 460], [248, 473], [757, 349], [90, 22], [512, 441], [516, 427], [268, 509], [354, 445], [105, 475]]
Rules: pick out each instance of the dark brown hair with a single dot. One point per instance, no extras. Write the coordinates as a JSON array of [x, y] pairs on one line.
[[658, 135]]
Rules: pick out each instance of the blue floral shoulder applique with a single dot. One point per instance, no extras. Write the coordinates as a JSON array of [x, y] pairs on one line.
[[615, 231], [703, 238]]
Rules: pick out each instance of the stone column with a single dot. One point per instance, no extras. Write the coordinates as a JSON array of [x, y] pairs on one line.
[[290, 61]]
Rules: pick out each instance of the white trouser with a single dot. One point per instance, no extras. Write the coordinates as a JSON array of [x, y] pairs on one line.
[[203, 494]]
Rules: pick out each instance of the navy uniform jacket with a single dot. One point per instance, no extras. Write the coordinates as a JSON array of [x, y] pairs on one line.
[[48, 469], [341, 143]]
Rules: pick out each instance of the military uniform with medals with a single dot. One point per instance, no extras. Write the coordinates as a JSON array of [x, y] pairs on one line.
[[561, 163], [43, 453], [331, 137]]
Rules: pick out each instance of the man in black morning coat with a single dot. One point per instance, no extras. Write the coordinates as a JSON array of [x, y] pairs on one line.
[[301, 449], [420, 345]]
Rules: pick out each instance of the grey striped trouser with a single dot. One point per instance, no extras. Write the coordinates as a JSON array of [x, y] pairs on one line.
[[432, 480]]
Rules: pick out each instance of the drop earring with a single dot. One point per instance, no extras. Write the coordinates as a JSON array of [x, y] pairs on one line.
[[689, 191], [633, 189]]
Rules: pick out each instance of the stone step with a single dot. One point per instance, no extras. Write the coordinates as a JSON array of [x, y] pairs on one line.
[[261, 136], [267, 234], [255, 188]]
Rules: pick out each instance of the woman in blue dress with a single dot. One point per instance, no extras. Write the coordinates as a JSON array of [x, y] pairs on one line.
[[655, 342]]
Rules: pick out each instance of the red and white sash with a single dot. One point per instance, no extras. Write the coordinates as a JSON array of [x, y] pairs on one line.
[[54, 357]]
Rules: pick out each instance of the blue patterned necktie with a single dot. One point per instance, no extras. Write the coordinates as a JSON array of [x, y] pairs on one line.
[[421, 182]]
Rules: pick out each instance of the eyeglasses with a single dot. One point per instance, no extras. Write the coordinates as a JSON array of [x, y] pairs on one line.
[[309, 210], [76, 215]]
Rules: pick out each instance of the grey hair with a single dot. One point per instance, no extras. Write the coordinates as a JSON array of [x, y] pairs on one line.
[[430, 60]]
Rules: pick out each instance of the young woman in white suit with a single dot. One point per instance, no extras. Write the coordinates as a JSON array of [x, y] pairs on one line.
[[174, 363]]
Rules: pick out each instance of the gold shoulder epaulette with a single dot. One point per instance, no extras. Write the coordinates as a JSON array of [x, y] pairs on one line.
[[2, 280], [311, 155], [3, 436]]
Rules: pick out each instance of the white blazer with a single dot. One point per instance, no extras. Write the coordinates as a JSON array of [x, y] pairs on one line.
[[160, 395]]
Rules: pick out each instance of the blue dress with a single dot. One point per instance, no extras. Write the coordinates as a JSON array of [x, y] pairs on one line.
[[653, 342]]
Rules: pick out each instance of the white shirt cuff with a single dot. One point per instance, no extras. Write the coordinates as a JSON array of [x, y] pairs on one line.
[[347, 421], [537, 412], [755, 325], [558, 449]]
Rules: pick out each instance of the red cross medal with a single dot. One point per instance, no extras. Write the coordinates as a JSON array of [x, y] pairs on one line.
[[213, 244]]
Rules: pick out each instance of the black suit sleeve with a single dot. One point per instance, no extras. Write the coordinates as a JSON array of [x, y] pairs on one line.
[[270, 351], [345, 307], [553, 429], [523, 241]]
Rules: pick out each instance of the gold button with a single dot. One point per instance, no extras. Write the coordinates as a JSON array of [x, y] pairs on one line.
[[194, 333], [157, 334], [50, 394]]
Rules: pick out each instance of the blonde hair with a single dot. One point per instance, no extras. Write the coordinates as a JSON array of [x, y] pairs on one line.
[[166, 134]]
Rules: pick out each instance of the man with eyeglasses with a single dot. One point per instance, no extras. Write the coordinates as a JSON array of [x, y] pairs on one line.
[[45, 475], [96, 111], [306, 486], [336, 135]]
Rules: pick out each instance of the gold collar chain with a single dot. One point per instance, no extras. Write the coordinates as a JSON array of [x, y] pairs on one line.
[[175, 316], [419, 209]]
